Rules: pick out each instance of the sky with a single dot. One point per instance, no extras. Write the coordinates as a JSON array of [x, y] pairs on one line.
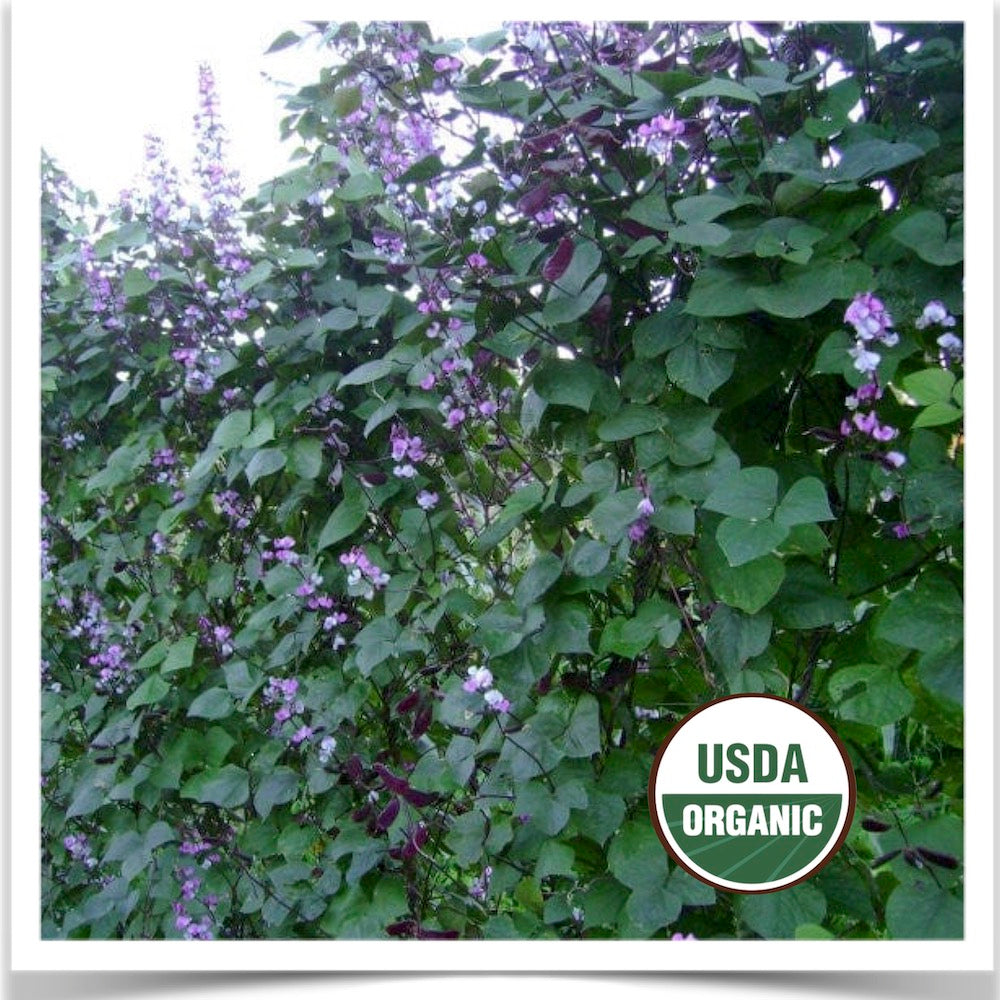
[[113, 74]]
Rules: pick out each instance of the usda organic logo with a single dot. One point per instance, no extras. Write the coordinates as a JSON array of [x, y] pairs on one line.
[[752, 793]]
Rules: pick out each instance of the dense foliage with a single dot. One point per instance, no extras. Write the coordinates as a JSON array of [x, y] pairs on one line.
[[574, 376]]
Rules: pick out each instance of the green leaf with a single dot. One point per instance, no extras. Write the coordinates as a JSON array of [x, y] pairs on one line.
[[554, 859], [922, 911], [937, 414], [227, 787], [261, 271], [777, 914], [732, 637], [567, 383], [360, 186], [699, 368], [636, 857], [652, 906], [629, 422], [547, 812], [215, 703], [804, 503], [613, 515], [346, 518], [807, 598], [567, 308], [283, 41], [870, 693], [749, 494], [928, 617], [661, 332], [152, 690], [748, 587], [540, 576], [932, 385], [306, 458], [743, 541], [925, 233], [720, 87], [804, 290], [376, 642], [276, 788], [265, 462], [232, 429], [136, 283], [180, 655], [588, 557], [465, 838], [583, 735], [702, 234], [370, 371]]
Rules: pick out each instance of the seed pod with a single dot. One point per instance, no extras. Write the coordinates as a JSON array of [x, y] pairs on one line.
[[420, 835], [874, 825], [422, 721], [417, 798], [938, 858], [354, 768], [394, 784], [555, 267], [535, 200], [387, 815], [408, 703], [402, 928], [362, 813], [543, 142], [883, 859]]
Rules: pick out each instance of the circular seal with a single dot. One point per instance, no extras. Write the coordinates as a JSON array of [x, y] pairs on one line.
[[752, 793]]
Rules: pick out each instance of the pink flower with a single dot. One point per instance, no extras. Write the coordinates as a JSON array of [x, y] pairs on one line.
[[455, 417], [645, 507], [427, 382]]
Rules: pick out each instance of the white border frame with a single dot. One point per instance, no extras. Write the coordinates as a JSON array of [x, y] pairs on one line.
[[31, 20]]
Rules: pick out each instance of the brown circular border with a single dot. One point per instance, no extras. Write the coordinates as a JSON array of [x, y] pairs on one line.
[[852, 791]]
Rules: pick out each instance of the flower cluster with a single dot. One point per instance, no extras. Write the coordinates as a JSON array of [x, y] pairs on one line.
[[659, 134], [79, 849], [231, 505], [115, 670], [202, 928], [363, 574], [283, 693], [481, 679], [872, 325], [481, 885], [406, 450], [951, 346], [282, 550], [199, 368], [645, 509], [217, 636]]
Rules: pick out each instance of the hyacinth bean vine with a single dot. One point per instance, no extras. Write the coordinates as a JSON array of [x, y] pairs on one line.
[[573, 376]]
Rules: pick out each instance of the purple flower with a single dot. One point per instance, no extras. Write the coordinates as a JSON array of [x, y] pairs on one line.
[[427, 500], [479, 679], [455, 417], [867, 315], [934, 313], [301, 735], [427, 382], [894, 459], [864, 360], [645, 507], [901, 530], [637, 530], [477, 261], [683, 937], [496, 701]]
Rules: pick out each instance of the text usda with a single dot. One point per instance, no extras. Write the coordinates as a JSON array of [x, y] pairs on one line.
[[752, 793]]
